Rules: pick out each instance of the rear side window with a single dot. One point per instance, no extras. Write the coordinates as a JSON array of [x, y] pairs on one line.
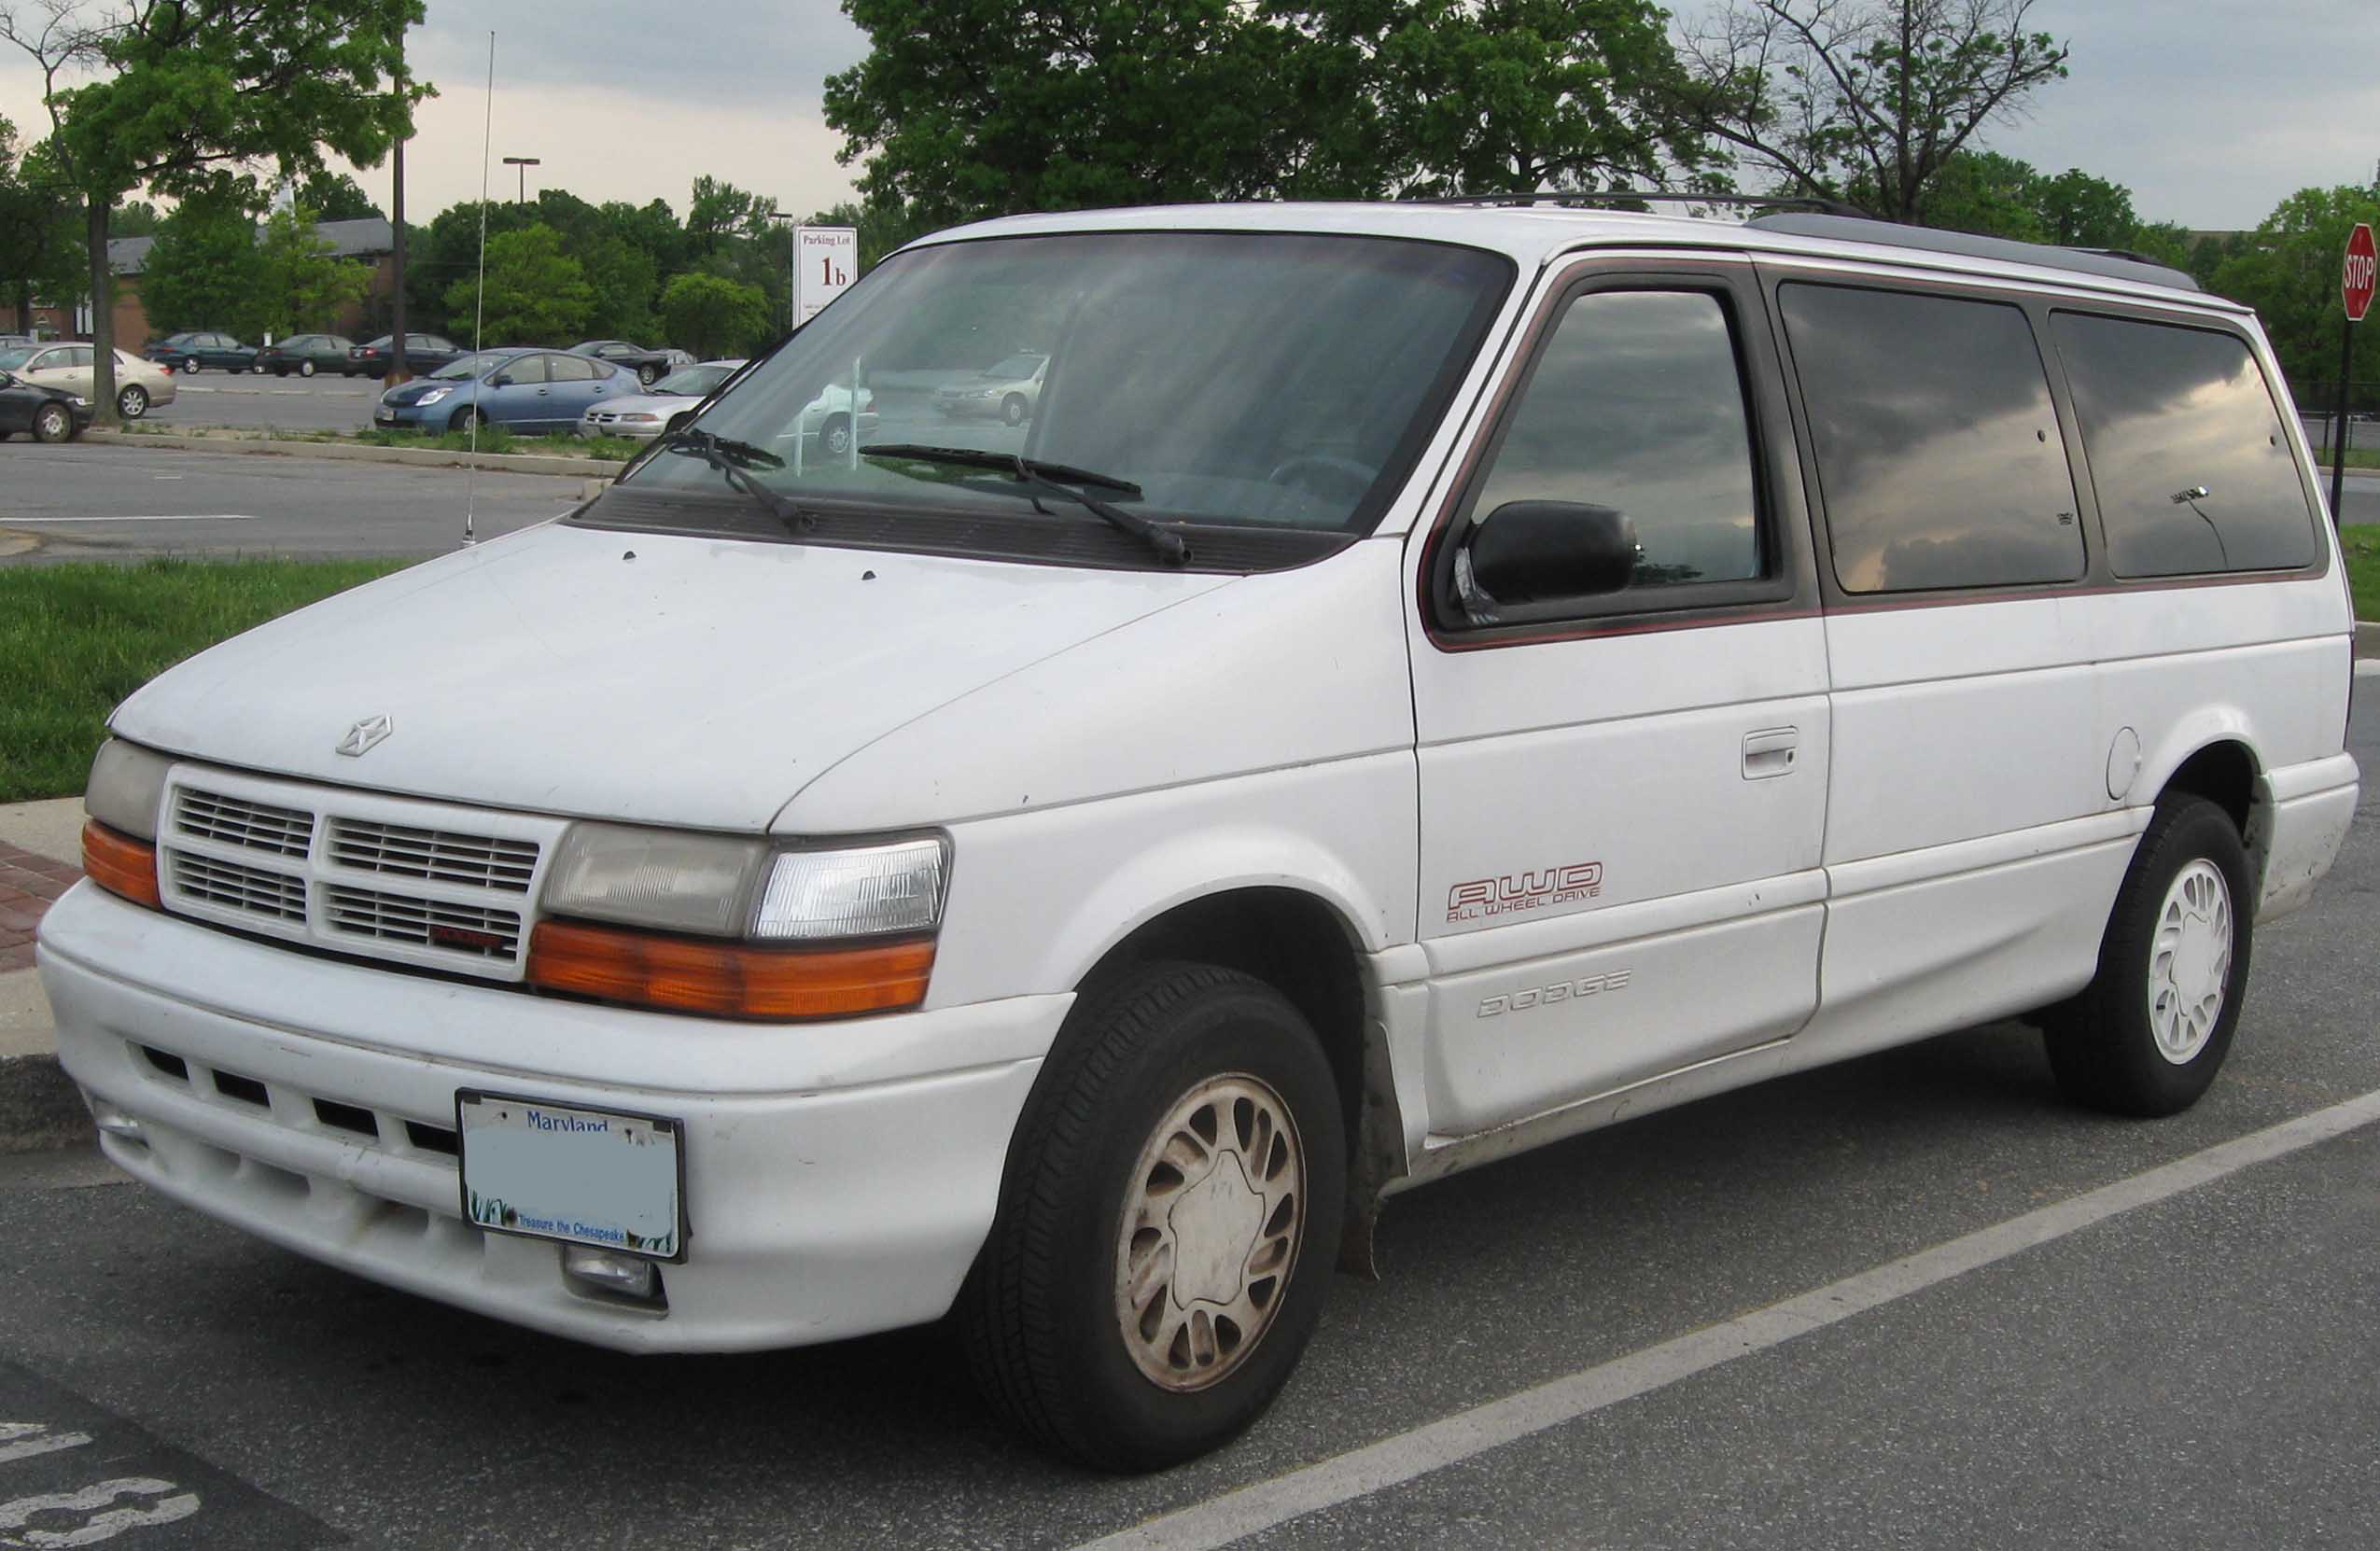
[[2186, 449], [1636, 404], [1937, 445], [574, 369]]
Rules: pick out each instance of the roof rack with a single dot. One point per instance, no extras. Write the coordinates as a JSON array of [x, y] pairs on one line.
[[1650, 196], [1839, 227]]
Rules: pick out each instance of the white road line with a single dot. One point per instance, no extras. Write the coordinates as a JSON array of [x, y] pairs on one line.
[[167, 517], [1220, 1521]]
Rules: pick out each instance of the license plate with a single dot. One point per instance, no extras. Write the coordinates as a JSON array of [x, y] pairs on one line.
[[384, 415], [578, 1175]]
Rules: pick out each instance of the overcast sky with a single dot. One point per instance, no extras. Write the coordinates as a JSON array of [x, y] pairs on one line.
[[2210, 111]]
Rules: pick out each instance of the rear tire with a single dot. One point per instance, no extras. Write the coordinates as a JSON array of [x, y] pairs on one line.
[[133, 402], [306, 369], [2149, 1032], [648, 375], [189, 367], [1167, 1221], [835, 435]]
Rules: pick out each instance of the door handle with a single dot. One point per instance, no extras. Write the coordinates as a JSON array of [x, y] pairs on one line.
[[1769, 752]]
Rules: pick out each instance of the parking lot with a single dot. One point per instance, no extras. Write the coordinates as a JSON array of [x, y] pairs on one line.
[[1915, 1300], [252, 401]]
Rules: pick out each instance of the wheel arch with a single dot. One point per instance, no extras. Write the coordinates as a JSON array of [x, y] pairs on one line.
[[1310, 949], [2220, 764]]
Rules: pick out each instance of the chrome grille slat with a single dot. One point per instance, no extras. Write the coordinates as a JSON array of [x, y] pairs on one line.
[[235, 821], [397, 917], [481, 861], [252, 890]]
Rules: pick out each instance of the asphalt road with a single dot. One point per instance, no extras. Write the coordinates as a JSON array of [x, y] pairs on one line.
[[2183, 1358], [249, 400], [103, 501]]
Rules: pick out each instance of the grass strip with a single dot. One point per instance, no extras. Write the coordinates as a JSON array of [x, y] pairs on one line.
[[2361, 541], [76, 639]]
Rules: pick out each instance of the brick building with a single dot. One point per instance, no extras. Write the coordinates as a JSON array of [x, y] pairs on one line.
[[370, 239]]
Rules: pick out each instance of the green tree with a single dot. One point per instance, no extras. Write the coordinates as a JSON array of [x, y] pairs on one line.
[[713, 317], [625, 279], [335, 197], [136, 218], [534, 293], [36, 237], [204, 271], [188, 96], [1827, 95], [301, 285], [2288, 271]]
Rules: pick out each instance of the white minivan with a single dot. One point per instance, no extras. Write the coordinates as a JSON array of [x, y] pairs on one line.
[[1425, 681]]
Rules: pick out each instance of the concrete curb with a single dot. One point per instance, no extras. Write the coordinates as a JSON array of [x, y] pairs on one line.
[[425, 457], [40, 1107]]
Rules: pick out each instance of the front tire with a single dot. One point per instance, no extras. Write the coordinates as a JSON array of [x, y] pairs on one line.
[[464, 418], [51, 422], [1168, 1223], [2149, 1032], [133, 402], [1012, 410]]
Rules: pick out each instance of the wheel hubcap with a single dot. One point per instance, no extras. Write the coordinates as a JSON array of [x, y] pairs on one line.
[[2189, 962], [1209, 1234]]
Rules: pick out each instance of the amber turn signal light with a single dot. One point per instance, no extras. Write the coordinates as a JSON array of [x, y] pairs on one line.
[[121, 864], [728, 979]]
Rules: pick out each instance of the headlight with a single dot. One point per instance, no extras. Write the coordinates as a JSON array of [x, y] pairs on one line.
[[433, 396], [78, 400], [870, 891], [719, 886], [127, 785]]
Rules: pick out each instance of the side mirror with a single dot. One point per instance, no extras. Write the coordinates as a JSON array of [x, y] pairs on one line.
[[503, 379], [1538, 551]]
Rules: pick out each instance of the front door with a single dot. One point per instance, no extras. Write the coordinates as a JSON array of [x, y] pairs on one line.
[[1623, 795]]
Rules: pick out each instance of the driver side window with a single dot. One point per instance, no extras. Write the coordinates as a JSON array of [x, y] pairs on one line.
[[1636, 404]]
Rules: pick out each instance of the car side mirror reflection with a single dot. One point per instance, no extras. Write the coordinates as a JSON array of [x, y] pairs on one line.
[[1541, 551], [500, 380]]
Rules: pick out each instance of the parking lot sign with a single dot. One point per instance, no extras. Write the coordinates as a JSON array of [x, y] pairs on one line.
[[826, 260]]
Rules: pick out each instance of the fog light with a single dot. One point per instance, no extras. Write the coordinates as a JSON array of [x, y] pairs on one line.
[[115, 1122], [615, 1276]]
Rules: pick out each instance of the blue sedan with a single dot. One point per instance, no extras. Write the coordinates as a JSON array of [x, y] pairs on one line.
[[529, 391]]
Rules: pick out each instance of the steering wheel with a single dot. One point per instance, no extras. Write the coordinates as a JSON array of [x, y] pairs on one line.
[[1288, 471]]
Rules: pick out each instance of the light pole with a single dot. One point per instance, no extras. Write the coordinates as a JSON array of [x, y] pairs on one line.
[[793, 269], [525, 163]]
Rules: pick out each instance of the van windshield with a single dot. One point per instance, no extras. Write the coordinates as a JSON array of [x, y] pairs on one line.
[[1280, 381]]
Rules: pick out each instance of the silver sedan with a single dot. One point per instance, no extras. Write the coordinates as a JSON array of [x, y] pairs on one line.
[[668, 404]]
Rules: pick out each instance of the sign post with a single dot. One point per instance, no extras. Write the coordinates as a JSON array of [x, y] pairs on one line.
[[826, 260], [2356, 279]]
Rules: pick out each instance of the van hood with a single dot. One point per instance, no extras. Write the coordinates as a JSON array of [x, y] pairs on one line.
[[640, 676]]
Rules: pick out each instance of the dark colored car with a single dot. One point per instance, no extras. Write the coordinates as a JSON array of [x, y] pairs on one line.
[[649, 366], [52, 414], [198, 349], [305, 354], [423, 353]]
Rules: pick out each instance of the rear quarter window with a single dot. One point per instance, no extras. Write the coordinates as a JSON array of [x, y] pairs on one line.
[[1939, 454], [2187, 457]]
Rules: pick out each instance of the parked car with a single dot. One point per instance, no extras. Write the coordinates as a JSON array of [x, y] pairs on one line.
[[423, 353], [1008, 390], [531, 391], [140, 386], [202, 349], [51, 413], [670, 404], [1430, 682], [307, 354], [649, 366]]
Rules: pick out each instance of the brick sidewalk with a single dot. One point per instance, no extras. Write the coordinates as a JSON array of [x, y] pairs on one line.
[[29, 883]]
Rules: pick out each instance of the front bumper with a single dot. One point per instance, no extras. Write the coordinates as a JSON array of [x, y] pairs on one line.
[[414, 416], [839, 1177]]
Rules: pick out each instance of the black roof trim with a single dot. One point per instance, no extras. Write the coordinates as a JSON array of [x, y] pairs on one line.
[[2112, 263]]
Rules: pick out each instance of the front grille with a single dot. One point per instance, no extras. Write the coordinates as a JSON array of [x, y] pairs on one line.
[[228, 885], [385, 877], [251, 825], [483, 861], [426, 923]]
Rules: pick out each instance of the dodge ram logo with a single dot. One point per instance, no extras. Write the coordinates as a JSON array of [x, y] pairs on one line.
[[366, 734]]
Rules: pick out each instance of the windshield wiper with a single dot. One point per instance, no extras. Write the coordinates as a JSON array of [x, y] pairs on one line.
[[1059, 478], [734, 459]]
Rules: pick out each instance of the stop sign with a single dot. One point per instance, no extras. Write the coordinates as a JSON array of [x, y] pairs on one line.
[[2355, 278]]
